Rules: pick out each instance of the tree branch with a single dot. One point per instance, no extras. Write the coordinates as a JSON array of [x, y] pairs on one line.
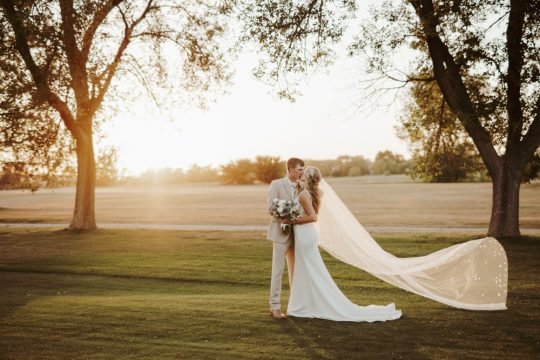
[[496, 21], [514, 34], [531, 140], [98, 19], [113, 66], [77, 66], [37, 75], [451, 84], [409, 78], [296, 31]]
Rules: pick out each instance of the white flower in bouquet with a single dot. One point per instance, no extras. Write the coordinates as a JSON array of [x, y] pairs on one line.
[[284, 210]]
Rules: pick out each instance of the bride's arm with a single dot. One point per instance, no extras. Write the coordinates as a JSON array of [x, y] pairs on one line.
[[311, 215]]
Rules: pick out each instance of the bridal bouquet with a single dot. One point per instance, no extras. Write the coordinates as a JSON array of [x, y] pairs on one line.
[[284, 210]]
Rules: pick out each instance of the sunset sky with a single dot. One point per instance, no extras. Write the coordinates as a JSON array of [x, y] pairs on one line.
[[250, 120]]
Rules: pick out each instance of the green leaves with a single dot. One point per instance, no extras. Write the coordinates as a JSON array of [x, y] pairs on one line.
[[294, 37], [441, 149]]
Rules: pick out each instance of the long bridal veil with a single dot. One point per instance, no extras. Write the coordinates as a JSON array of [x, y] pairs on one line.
[[472, 275]]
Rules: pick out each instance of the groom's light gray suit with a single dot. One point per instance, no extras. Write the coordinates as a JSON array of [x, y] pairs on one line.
[[283, 190]]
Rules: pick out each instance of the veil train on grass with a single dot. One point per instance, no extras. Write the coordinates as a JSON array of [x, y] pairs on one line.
[[472, 275]]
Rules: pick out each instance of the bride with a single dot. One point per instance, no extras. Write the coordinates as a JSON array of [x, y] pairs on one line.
[[472, 275], [314, 294]]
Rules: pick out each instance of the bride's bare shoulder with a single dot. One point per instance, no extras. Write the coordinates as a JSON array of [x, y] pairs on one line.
[[305, 193]]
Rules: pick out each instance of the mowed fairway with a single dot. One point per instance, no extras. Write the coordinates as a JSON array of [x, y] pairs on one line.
[[203, 295], [376, 201]]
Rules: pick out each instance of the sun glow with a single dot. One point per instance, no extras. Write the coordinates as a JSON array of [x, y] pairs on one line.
[[323, 123], [250, 121]]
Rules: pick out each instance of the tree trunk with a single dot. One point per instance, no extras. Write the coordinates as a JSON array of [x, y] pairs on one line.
[[505, 208], [84, 218]]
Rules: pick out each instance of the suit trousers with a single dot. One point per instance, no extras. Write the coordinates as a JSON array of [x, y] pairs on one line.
[[278, 266]]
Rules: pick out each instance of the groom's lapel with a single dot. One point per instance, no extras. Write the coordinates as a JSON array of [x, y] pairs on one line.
[[288, 188]]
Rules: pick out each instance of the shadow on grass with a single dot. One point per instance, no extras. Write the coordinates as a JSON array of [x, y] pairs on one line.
[[340, 340]]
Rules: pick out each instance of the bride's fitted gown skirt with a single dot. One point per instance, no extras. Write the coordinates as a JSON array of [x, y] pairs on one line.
[[314, 293]]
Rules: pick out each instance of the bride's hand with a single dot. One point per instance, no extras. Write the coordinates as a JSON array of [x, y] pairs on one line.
[[288, 222]]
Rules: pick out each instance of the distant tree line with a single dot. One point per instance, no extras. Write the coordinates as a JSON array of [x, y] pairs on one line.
[[169, 176], [262, 169], [19, 174]]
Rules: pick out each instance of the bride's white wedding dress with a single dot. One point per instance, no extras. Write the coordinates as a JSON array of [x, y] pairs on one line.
[[472, 275], [314, 294]]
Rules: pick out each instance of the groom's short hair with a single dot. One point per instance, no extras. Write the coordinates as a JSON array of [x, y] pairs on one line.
[[294, 162]]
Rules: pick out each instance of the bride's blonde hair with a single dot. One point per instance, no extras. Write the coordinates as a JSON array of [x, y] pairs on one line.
[[313, 177]]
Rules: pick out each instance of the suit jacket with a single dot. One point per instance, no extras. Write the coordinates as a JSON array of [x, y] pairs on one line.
[[282, 190]]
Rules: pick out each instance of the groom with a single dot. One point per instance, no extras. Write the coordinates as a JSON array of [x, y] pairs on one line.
[[283, 189]]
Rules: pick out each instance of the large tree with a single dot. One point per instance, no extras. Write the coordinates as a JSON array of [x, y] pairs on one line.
[[62, 60], [455, 42]]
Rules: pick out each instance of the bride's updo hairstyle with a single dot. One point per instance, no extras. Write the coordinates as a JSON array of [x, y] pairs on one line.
[[313, 177]]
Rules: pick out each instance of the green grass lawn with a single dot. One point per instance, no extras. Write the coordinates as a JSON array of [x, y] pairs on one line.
[[203, 295]]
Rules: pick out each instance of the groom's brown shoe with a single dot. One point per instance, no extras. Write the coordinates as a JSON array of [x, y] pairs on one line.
[[277, 315]]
